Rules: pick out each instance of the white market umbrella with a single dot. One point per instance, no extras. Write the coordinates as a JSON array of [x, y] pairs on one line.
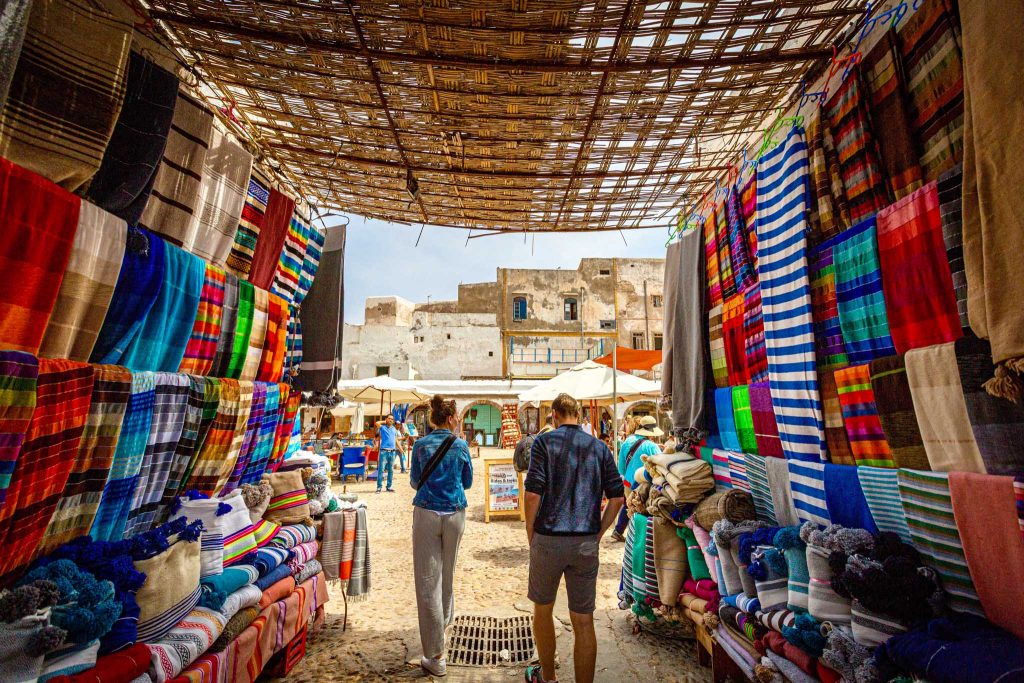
[[380, 389], [590, 381]]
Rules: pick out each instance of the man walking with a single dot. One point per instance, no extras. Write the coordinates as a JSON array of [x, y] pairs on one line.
[[570, 471], [388, 445]]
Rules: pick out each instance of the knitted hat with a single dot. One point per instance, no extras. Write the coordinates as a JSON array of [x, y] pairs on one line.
[[794, 550]]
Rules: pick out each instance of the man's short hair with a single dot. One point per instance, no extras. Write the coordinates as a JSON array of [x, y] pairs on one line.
[[566, 406]]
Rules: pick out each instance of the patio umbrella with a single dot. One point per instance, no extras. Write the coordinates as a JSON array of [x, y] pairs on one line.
[[590, 381], [377, 389]]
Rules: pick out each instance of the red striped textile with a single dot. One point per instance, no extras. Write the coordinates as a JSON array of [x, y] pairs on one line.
[[202, 345], [755, 350], [860, 415], [919, 298], [732, 332], [274, 344], [49, 455], [714, 278], [270, 243], [284, 427]]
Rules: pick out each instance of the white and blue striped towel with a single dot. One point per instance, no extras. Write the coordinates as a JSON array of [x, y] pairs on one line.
[[807, 482]]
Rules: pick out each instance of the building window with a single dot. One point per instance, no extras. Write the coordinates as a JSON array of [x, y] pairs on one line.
[[417, 340], [449, 336], [571, 308], [604, 271], [519, 308], [657, 342], [607, 324], [638, 340], [383, 370], [490, 354], [656, 301]]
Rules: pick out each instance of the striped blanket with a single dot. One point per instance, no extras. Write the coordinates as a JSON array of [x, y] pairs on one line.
[[895, 407], [762, 414], [170, 403], [80, 499], [950, 189], [881, 490], [724, 252], [807, 484], [929, 513], [856, 147], [87, 286], [180, 646], [19, 373], [263, 441], [35, 246], [744, 419], [123, 183], [753, 335], [201, 349], [918, 286], [48, 457], [719, 468], [286, 279], [859, 298], [829, 212], [228, 320], [716, 343], [786, 298], [739, 247], [310, 263], [760, 490], [782, 494], [214, 461], [726, 422], [713, 268], [116, 501], [211, 404], [138, 286], [284, 428], [221, 196], [80, 50], [270, 245], [738, 471], [243, 329], [164, 334], [239, 261], [867, 440], [733, 340], [271, 365], [200, 410], [250, 437], [172, 204]]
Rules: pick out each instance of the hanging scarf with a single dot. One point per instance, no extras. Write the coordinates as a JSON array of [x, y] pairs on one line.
[[310, 263], [753, 335], [724, 252], [829, 213], [733, 341], [19, 373], [860, 415], [202, 344], [228, 319], [200, 410], [286, 279], [284, 429], [239, 261], [272, 357], [249, 437], [221, 196], [273, 233], [243, 329], [743, 418], [213, 462], [263, 442], [330, 548], [257, 335], [359, 584]]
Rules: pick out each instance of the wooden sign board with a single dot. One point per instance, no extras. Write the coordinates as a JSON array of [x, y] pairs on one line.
[[504, 490]]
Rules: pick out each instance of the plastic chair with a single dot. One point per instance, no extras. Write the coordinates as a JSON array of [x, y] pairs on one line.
[[353, 463]]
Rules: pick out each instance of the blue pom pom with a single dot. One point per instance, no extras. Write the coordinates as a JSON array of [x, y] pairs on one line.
[[223, 509]]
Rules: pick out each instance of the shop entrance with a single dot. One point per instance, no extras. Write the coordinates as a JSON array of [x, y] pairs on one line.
[[481, 423]]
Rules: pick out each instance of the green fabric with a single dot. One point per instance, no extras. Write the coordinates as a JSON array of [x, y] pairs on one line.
[[744, 419], [243, 327], [211, 401], [707, 454], [639, 557], [694, 556]]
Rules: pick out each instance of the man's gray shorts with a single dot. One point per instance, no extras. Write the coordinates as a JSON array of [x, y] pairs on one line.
[[574, 556]]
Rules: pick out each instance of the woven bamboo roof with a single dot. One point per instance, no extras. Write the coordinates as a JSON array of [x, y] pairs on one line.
[[508, 114]]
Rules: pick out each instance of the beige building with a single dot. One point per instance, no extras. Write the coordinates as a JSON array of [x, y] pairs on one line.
[[528, 324]]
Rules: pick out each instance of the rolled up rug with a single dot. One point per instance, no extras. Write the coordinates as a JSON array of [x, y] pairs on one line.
[[277, 575], [265, 560], [669, 561], [733, 505], [235, 625], [279, 590], [294, 534], [694, 554], [216, 589], [824, 602]]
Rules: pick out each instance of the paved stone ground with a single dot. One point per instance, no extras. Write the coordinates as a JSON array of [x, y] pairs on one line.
[[382, 638]]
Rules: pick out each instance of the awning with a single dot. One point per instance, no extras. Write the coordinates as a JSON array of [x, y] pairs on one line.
[[632, 359]]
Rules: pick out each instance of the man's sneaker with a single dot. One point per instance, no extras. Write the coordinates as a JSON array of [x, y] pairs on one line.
[[617, 537], [391, 490], [436, 667], [378, 490]]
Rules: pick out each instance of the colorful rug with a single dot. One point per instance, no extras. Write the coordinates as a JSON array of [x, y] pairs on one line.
[[239, 261], [786, 298], [201, 350], [250, 436], [257, 335], [87, 286], [271, 367], [200, 411], [221, 197], [829, 213], [860, 415], [19, 374], [215, 459], [243, 329], [81, 51], [228, 320], [733, 340], [286, 279], [861, 304], [753, 334]]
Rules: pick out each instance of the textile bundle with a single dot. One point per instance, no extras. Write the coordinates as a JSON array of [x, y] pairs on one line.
[[782, 270], [80, 51], [221, 196]]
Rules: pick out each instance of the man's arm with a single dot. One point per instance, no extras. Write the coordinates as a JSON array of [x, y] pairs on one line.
[[611, 512], [614, 491], [532, 506], [535, 483]]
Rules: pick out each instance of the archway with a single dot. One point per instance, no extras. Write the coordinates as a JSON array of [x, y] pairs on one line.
[[481, 423]]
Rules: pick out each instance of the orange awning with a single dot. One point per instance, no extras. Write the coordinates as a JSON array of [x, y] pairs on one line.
[[632, 359]]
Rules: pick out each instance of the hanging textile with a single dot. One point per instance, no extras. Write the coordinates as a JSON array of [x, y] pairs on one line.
[[138, 285], [243, 329], [930, 47], [164, 334], [310, 263], [950, 186], [859, 298], [929, 513], [284, 429], [748, 209], [885, 86], [786, 297], [739, 248], [206, 331], [173, 202], [807, 483], [891, 389], [881, 489], [276, 396], [919, 299], [857, 150], [239, 261], [47, 458], [19, 373], [867, 440], [510, 434], [123, 183], [711, 264], [760, 490], [726, 422], [115, 503], [286, 279], [40, 221], [829, 212], [983, 507], [766, 431], [735, 344], [273, 233], [941, 410], [228, 320], [257, 335], [80, 499], [993, 225], [845, 499], [781, 491], [272, 356], [716, 344], [724, 248], [200, 409], [80, 51], [744, 420], [13, 23], [320, 314], [87, 286], [738, 471], [226, 172], [170, 399], [250, 432], [753, 335], [216, 458]]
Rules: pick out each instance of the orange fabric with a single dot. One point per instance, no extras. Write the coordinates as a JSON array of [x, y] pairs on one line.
[[631, 359]]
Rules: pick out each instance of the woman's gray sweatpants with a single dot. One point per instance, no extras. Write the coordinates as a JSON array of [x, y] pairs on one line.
[[435, 545]]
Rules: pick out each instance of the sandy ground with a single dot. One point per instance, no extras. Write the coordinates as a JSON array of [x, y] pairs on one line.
[[382, 638]]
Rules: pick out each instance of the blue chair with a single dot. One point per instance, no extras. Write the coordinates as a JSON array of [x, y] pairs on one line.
[[353, 463]]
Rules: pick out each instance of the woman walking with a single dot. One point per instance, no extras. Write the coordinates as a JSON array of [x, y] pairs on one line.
[[441, 471]]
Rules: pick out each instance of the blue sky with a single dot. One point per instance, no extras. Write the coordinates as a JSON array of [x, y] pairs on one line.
[[382, 258]]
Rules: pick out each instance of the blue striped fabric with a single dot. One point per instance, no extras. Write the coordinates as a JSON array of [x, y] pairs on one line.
[[726, 422], [757, 475], [782, 176], [253, 471], [720, 469], [738, 471], [881, 489], [807, 482]]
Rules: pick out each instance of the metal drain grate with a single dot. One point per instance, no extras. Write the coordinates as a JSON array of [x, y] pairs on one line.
[[479, 641]]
